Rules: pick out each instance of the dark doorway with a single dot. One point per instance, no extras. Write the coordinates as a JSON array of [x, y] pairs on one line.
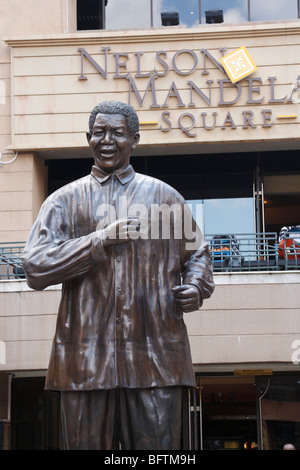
[[229, 419], [34, 415]]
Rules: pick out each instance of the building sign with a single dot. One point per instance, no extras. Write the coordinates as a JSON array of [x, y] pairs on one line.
[[239, 372], [197, 90], [238, 64], [195, 86]]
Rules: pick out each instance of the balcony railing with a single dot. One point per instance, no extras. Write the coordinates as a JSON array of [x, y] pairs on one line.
[[253, 252], [250, 252], [10, 260]]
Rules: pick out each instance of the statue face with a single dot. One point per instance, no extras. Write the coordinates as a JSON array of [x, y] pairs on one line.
[[110, 142]]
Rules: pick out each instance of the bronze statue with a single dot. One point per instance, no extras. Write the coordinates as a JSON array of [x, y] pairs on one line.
[[130, 266]]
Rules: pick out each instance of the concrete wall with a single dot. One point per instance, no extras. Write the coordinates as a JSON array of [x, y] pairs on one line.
[[26, 18], [251, 319], [21, 183], [22, 191]]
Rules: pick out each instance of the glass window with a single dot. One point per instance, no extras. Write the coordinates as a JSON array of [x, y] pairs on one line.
[[175, 12], [120, 14], [146, 13], [232, 216], [226, 216], [90, 14], [281, 201], [131, 14], [231, 11], [275, 10]]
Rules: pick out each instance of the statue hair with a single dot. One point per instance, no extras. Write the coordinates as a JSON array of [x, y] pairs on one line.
[[116, 107]]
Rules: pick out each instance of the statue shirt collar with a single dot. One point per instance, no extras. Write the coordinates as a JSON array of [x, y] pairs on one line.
[[124, 176]]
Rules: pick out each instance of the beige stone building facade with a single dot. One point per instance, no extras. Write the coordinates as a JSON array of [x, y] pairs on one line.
[[230, 147]]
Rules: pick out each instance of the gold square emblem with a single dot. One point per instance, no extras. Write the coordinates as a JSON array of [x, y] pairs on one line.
[[238, 64]]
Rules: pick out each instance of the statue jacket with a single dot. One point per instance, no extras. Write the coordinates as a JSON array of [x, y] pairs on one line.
[[118, 324]]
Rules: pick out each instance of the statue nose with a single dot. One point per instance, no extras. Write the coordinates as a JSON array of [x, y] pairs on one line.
[[107, 138]]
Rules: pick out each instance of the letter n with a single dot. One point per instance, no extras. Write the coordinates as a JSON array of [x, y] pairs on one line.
[[85, 54]]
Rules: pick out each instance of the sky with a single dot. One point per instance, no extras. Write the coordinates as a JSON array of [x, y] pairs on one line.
[[122, 14]]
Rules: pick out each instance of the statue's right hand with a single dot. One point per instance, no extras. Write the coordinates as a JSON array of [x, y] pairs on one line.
[[120, 231]]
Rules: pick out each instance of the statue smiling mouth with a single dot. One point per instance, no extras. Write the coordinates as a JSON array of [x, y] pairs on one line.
[[107, 152]]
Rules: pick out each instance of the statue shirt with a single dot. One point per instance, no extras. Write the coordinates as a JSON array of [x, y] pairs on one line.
[[118, 324]]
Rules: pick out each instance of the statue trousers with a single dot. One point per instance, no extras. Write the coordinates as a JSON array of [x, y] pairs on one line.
[[124, 418]]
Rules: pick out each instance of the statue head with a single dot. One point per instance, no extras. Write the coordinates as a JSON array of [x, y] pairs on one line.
[[116, 107], [113, 134]]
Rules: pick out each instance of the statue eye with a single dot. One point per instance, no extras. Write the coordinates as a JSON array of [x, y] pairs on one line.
[[98, 133]]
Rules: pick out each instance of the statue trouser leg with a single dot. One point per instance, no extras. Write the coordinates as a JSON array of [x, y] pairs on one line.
[[81, 414], [139, 419], [154, 418]]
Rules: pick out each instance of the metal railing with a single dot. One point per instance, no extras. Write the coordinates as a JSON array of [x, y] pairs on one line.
[[244, 252], [253, 252], [10, 260]]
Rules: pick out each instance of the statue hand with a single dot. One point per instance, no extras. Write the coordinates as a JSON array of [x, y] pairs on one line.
[[120, 231], [188, 297]]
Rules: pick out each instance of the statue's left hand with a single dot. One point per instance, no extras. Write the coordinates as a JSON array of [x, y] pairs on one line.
[[188, 297]]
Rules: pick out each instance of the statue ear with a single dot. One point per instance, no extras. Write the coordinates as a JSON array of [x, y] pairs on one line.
[[136, 139], [88, 137]]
